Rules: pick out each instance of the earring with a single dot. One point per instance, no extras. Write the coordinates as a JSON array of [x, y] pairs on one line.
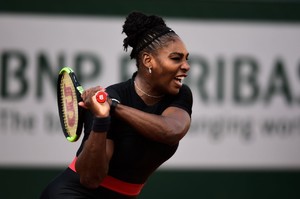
[[149, 69]]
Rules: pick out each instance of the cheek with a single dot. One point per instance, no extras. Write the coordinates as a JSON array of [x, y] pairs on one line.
[[165, 75], [167, 68]]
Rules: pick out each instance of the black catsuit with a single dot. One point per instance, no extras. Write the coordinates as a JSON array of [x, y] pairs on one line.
[[135, 157]]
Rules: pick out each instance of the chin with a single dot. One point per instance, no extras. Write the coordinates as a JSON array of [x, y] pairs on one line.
[[174, 91], [174, 88]]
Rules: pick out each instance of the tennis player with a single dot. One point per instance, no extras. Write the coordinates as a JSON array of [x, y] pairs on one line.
[[141, 124]]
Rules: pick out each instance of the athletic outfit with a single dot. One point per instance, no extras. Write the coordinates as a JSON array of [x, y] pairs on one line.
[[135, 157]]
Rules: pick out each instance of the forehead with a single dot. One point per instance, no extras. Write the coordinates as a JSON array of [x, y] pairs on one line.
[[174, 45]]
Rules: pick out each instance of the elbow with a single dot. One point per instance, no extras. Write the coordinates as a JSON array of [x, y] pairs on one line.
[[173, 140], [172, 137], [172, 133]]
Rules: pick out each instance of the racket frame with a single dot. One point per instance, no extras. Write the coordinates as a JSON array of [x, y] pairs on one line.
[[78, 90]]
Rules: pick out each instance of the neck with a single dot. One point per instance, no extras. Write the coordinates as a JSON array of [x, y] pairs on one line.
[[152, 96], [144, 92]]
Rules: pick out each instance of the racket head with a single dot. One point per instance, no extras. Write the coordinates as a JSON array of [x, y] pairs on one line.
[[68, 95]]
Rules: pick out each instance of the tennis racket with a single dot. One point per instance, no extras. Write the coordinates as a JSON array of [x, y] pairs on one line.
[[69, 93]]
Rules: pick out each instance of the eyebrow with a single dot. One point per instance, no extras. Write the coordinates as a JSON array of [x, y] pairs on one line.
[[180, 54]]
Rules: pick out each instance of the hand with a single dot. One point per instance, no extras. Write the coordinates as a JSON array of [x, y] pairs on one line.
[[90, 102]]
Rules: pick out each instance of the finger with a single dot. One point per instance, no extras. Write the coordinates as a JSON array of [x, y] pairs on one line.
[[82, 104], [83, 95]]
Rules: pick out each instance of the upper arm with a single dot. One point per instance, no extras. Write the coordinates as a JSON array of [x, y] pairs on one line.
[[179, 122]]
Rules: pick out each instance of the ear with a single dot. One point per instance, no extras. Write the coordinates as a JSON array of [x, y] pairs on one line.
[[147, 59]]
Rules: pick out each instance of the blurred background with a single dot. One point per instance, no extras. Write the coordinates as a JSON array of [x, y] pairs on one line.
[[244, 141]]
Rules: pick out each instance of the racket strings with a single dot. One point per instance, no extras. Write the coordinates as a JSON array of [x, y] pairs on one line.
[[69, 104]]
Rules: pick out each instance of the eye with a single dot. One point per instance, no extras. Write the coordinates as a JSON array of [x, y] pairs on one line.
[[176, 58]]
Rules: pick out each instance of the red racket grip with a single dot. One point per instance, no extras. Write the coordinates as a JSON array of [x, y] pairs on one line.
[[101, 96]]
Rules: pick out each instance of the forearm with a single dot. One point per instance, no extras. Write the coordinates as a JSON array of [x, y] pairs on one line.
[[167, 128], [92, 163]]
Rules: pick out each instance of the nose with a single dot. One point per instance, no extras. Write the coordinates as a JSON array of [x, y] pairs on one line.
[[185, 66]]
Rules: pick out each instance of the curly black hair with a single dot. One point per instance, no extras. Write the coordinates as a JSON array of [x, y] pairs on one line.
[[142, 30]]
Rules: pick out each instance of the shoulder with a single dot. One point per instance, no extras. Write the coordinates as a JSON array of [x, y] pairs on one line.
[[185, 89], [119, 89], [184, 99], [186, 93]]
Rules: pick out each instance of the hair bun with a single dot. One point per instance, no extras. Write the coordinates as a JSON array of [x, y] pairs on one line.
[[136, 26]]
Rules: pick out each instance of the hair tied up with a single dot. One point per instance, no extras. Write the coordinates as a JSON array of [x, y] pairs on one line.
[[137, 26]]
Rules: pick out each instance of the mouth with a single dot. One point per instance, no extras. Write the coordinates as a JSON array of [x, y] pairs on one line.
[[179, 79]]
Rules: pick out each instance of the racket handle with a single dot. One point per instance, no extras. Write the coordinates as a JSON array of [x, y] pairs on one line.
[[101, 96]]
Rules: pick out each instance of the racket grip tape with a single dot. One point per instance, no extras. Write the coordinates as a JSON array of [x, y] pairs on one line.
[[101, 96]]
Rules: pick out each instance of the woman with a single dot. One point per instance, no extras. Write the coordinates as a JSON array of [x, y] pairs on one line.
[[139, 127]]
